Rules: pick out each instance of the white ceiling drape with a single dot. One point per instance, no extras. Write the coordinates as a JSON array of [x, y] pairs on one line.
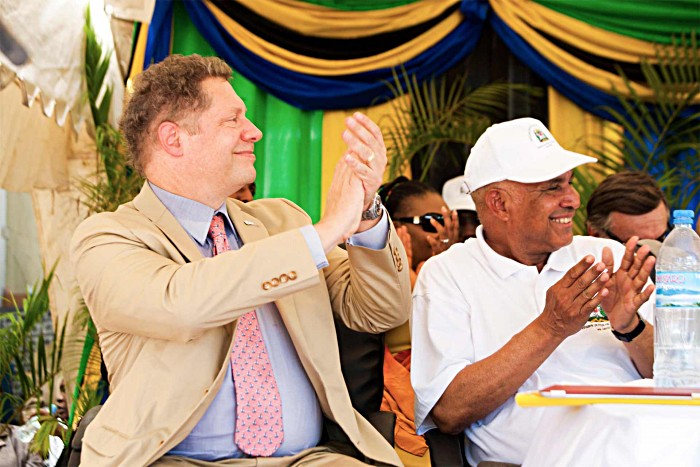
[[51, 33]]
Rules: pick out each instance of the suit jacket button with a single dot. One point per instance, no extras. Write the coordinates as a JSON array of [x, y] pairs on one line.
[[292, 275], [284, 278], [266, 285], [275, 282]]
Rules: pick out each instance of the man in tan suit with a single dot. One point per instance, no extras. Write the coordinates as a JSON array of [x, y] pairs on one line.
[[166, 295]]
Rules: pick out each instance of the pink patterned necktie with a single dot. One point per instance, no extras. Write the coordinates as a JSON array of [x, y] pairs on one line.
[[259, 431]]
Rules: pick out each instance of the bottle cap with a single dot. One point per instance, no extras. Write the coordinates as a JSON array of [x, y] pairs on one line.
[[683, 216]]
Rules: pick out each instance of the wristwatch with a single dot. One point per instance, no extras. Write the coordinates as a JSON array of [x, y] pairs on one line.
[[629, 336], [374, 210]]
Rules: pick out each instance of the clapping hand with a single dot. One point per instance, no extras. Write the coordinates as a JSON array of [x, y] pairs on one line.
[[446, 236], [571, 300], [366, 153], [626, 286], [341, 217]]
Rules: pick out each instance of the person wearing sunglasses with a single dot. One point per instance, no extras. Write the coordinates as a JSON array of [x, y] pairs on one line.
[[626, 204], [420, 213]]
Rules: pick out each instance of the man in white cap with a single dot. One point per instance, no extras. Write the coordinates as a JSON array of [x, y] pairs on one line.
[[454, 192], [525, 304]]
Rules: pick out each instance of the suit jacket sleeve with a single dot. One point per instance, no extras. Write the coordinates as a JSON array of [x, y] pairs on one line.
[[135, 281], [370, 290]]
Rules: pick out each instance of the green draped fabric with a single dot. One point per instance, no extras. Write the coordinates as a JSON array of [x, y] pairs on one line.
[[359, 5], [289, 156], [648, 20]]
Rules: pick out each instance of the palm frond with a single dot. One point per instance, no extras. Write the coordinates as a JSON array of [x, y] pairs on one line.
[[34, 366], [96, 68], [116, 182], [660, 135], [437, 115]]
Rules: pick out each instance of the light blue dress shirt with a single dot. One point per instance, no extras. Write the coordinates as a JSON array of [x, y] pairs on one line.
[[213, 436]]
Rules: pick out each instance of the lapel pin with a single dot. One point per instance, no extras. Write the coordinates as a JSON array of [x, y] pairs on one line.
[[249, 222]]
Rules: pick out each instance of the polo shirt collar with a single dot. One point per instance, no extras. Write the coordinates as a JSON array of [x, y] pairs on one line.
[[562, 259], [559, 260], [502, 266]]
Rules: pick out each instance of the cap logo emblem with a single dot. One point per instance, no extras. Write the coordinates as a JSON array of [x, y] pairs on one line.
[[540, 135]]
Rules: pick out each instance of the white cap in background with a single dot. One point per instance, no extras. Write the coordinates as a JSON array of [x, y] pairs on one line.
[[454, 192]]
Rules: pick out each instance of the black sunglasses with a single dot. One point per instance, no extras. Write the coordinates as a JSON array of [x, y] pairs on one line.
[[612, 236], [424, 221]]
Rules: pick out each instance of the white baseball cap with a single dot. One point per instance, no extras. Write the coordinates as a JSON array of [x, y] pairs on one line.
[[521, 150], [454, 192]]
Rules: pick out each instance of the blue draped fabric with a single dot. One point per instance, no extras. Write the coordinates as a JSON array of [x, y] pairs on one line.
[[159, 33], [587, 97], [310, 92]]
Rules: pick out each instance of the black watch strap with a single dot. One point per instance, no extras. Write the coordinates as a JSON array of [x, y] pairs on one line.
[[629, 336]]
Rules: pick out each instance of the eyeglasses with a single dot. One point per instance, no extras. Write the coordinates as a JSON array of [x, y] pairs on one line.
[[661, 238], [424, 221]]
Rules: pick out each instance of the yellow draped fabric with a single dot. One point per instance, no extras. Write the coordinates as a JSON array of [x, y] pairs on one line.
[[518, 16], [582, 35], [320, 67], [573, 127], [578, 130], [139, 52], [319, 21]]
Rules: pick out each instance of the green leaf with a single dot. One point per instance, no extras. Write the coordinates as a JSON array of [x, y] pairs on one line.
[[660, 136], [440, 116]]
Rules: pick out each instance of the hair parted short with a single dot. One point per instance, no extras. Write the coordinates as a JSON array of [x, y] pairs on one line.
[[628, 192], [167, 91]]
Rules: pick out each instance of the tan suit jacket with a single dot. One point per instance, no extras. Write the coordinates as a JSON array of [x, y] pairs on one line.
[[166, 317]]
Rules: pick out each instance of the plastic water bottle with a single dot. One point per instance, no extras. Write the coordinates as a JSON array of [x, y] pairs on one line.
[[677, 314]]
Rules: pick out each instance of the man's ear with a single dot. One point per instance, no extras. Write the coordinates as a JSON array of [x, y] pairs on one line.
[[169, 138], [496, 200]]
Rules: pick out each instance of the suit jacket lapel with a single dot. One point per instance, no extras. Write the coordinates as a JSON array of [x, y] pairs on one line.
[[248, 228], [150, 206]]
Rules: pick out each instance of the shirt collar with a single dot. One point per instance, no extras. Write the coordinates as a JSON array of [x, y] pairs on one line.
[[501, 265], [559, 260], [193, 216], [562, 259]]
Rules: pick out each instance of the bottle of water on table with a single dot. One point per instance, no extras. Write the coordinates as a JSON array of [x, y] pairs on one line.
[[677, 314]]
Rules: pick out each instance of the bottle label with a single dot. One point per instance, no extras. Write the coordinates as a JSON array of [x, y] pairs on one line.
[[677, 289]]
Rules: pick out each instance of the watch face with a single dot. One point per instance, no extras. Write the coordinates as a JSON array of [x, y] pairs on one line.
[[374, 210]]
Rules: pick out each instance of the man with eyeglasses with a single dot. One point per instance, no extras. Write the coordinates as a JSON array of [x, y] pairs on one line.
[[525, 304], [627, 204]]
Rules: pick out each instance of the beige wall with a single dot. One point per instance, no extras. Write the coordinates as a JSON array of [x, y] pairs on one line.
[[23, 255]]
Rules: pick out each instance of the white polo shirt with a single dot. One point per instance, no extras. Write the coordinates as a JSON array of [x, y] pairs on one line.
[[469, 301]]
